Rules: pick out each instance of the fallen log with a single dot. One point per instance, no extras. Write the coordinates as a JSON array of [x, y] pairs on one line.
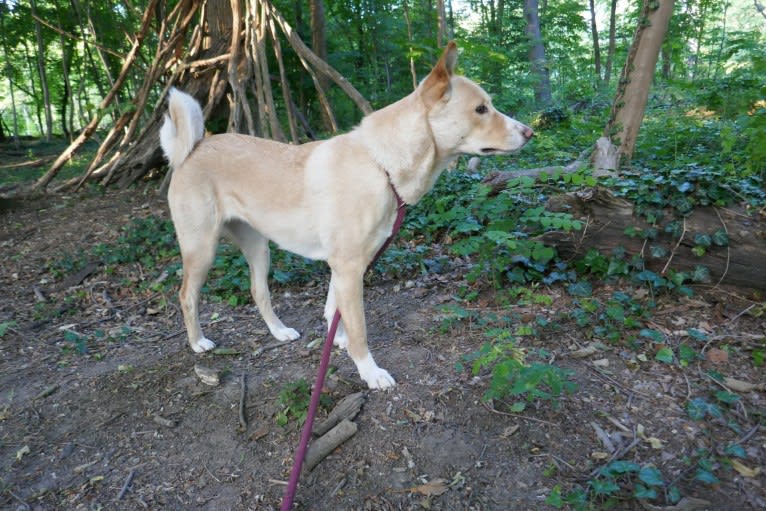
[[740, 262]]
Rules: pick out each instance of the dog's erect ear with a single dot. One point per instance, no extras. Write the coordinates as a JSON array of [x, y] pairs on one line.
[[436, 86]]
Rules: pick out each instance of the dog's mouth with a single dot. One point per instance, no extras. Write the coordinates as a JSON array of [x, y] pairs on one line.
[[495, 150]]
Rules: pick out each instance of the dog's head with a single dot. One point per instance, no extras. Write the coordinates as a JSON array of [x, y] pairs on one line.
[[461, 114]]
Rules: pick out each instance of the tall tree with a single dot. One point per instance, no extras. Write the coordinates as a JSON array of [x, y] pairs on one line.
[[537, 59], [594, 33], [621, 130], [612, 40], [42, 73]]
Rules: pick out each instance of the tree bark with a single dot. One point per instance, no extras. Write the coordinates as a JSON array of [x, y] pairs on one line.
[[543, 96], [606, 218], [636, 80]]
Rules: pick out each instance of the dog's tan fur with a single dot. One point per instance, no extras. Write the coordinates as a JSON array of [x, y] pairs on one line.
[[329, 200]]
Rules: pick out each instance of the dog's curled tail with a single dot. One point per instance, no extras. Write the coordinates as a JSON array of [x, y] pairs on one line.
[[184, 126]]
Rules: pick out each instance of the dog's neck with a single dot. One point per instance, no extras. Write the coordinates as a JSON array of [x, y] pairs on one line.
[[407, 153]]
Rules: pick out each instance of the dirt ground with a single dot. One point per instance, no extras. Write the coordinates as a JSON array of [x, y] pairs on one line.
[[127, 424]]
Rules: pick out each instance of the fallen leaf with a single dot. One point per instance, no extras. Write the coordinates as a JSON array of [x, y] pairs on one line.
[[744, 470], [432, 488], [717, 356], [587, 351], [741, 386], [21, 452], [655, 442], [602, 362]]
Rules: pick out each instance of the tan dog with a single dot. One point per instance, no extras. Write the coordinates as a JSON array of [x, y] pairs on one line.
[[329, 200]]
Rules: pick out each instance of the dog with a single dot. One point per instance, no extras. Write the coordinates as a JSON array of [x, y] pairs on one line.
[[332, 200]]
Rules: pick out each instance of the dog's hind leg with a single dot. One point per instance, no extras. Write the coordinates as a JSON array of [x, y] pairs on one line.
[[255, 247], [197, 255], [341, 338], [347, 283]]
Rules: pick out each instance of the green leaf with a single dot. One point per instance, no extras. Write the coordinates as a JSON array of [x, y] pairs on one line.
[[642, 492], [665, 355], [701, 274], [655, 336], [5, 326], [699, 250], [697, 334], [706, 477], [720, 238], [554, 499], [518, 407], [702, 239], [736, 450], [697, 408], [651, 476], [658, 251], [726, 397], [580, 288], [607, 487], [620, 467], [686, 355]]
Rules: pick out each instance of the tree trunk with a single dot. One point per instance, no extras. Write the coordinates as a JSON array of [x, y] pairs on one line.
[[442, 34], [537, 60], [612, 41], [596, 48], [42, 74], [11, 87], [407, 20], [319, 47], [606, 217], [636, 79]]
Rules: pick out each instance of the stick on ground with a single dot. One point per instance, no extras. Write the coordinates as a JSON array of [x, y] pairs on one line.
[[324, 445]]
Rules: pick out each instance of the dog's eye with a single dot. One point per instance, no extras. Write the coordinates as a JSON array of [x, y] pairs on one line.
[[482, 109]]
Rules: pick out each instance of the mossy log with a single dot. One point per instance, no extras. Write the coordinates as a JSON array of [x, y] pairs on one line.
[[741, 262]]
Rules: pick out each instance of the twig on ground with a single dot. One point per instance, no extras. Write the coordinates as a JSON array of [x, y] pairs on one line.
[[609, 379], [21, 501], [673, 252], [748, 435], [508, 414], [243, 391], [271, 346], [125, 486]]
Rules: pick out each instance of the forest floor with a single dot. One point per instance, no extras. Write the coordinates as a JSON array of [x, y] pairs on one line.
[[100, 406]]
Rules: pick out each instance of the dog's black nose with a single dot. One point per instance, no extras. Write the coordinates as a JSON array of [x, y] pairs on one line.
[[528, 133]]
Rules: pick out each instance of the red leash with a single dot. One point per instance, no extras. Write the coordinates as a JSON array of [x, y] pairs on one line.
[[300, 454]]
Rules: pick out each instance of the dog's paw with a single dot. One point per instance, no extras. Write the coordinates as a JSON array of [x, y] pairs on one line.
[[203, 345], [375, 377], [379, 379], [285, 334]]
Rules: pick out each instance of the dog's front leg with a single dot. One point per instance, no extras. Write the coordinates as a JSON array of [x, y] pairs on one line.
[[347, 288]]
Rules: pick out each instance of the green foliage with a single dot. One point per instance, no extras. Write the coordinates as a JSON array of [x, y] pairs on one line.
[[5, 326], [293, 401], [513, 376]]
